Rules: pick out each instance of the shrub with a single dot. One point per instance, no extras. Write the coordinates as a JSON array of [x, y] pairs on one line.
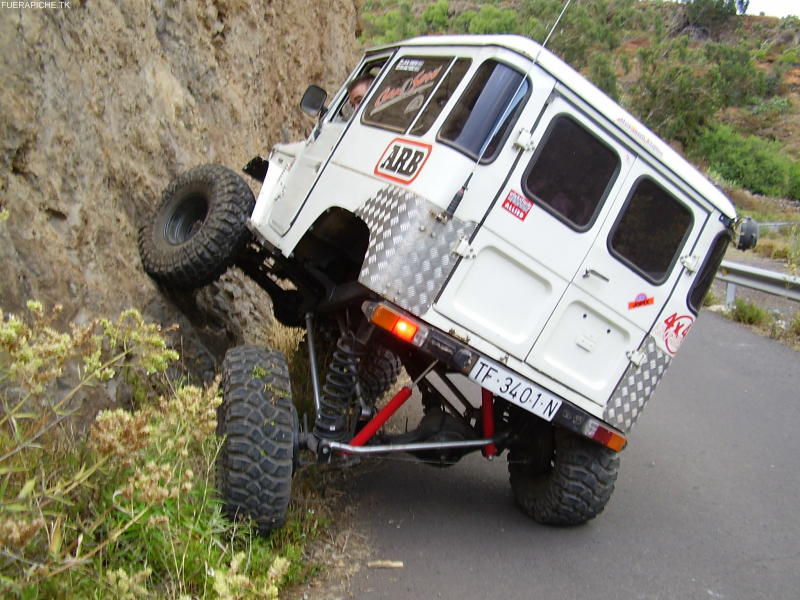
[[773, 107], [585, 30], [436, 16], [734, 75], [711, 13], [128, 511], [749, 313], [671, 95], [755, 163], [396, 24], [490, 19]]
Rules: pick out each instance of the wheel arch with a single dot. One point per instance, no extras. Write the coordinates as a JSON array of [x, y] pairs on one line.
[[336, 244]]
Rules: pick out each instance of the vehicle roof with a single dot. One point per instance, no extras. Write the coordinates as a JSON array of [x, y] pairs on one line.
[[578, 84]]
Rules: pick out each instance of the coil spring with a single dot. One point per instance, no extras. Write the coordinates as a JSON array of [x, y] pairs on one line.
[[339, 394]]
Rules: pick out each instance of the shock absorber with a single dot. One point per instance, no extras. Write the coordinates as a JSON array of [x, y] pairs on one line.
[[339, 394]]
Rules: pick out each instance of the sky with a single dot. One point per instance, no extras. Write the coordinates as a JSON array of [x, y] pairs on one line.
[[774, 8]]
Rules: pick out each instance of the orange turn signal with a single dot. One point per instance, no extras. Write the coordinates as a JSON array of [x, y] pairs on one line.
[[405, 329], [396, 323], [384, 317], [608, 437]]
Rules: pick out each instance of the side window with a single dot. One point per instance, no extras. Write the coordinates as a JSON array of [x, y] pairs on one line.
[[487, 110], [708, 271], [359, 87], [403, 92], [441, 96], [571, 173], [650, 231]]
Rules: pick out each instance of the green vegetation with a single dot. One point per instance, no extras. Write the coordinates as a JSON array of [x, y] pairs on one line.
[[760, 319], [712, 13], [749, 161], [127, 509], [749, 313]]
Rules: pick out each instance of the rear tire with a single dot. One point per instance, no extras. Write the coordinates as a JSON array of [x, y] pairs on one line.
[[259, 425], [199, 227], [378, 371], [570, 488]]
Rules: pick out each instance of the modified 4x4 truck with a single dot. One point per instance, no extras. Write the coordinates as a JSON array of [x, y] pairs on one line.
[[486, 217]]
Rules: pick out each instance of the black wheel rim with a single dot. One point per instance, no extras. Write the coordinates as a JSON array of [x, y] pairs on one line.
[[186, 219]]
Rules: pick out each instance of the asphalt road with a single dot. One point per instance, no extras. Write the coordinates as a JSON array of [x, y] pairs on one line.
[[706, 504]]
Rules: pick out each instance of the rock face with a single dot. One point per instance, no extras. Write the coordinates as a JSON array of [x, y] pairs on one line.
[[104, 102]]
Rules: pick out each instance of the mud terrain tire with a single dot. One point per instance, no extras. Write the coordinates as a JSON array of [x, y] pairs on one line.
[[572, 489], [259, 425], [199, 227], [377, 372]]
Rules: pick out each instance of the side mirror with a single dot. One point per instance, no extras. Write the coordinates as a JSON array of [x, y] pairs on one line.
[[313, 101], [748, 234]]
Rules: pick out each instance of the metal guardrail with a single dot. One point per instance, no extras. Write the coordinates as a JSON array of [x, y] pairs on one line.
[[763, 280], [776, 225]]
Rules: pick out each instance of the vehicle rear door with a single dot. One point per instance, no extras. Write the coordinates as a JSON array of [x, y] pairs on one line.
[[537, 233], [621, 284]]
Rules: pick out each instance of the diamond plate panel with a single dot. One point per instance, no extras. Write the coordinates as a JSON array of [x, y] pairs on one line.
[[410, 252], [636, 387]]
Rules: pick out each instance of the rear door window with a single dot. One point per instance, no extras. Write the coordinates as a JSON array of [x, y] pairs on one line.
[[571, 173], [708, 271], [485, 113], [651, 231]]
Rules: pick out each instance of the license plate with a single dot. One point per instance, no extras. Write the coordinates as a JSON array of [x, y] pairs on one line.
[[518, 390]]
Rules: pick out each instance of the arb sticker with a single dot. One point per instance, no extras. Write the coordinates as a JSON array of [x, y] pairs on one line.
[[641, 300], [402, 160], [674, 330], [517, 204]]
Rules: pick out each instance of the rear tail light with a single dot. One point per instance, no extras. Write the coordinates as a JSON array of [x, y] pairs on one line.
[[605, 435], [396, 323]]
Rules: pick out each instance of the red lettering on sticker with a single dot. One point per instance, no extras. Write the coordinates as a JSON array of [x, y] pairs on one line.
[[676, 329], [517, 204], [641, 300], [409, 87]]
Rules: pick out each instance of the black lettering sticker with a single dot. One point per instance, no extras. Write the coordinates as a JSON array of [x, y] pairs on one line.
[[402, 160]]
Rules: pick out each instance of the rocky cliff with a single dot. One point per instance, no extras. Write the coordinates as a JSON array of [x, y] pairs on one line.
[[103, 102]]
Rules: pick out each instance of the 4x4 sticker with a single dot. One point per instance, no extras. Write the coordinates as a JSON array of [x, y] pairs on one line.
[[641, 300], [674, 330], [402, 160], [517, 204]]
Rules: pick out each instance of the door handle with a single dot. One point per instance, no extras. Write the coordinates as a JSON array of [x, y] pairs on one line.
[[588, 272]]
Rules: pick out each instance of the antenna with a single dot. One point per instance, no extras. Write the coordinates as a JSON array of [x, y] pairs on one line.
[[552, 29]]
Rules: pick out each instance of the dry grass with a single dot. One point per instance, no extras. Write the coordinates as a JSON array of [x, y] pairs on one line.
[[129, 510]]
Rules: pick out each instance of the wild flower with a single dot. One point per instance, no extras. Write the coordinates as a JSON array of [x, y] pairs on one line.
[[128, 506]]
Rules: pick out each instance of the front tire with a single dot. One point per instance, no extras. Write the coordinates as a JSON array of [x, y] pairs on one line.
[[259, 425], [570, 486], [199, 227]]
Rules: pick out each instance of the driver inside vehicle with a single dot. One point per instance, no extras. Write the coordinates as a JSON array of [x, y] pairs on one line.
[[357, 89], [356, 92]]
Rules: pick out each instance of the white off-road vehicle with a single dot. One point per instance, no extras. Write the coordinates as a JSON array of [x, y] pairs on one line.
[[485, 216]]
